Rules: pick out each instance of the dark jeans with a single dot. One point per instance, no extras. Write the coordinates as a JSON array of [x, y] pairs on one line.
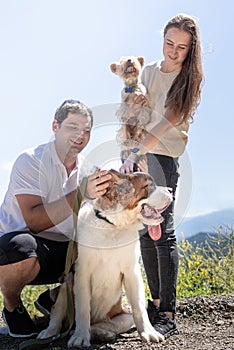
[[160, 258]]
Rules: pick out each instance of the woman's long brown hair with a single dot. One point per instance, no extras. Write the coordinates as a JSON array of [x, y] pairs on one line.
[[185, 92]]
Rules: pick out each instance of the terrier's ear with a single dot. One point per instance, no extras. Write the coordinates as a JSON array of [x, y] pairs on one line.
[[141, 60], [113, 67]]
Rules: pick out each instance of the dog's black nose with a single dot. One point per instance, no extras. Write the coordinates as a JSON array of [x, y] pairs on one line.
[[129, 62]]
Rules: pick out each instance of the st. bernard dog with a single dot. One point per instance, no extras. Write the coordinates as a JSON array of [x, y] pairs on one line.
[[108, 259]]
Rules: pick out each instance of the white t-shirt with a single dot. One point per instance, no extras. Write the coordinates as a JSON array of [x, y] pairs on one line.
[[40, 172], [158, 83]]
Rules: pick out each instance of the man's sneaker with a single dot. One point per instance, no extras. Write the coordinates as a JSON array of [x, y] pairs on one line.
[[19, 322], [44, 303], [160, 321]]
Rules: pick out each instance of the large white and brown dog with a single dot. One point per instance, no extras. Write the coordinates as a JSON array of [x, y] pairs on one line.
[[108, 259]]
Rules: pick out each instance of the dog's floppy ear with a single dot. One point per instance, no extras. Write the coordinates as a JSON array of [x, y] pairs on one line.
[[141, 60], [115, 175], [117, 194]]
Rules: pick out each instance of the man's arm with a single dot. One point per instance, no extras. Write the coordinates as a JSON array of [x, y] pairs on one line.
[[40, 216]]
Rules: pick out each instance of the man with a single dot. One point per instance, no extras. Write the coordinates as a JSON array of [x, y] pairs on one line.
[[36, 221]]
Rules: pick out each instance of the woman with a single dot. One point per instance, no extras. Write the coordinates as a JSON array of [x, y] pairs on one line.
[[174, 90]]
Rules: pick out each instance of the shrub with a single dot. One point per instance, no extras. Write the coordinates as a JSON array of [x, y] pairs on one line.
[[207, 268]]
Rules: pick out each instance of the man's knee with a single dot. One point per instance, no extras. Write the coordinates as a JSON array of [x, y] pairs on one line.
[[15, 247]]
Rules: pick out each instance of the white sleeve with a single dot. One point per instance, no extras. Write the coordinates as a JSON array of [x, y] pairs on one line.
[[29, 176]]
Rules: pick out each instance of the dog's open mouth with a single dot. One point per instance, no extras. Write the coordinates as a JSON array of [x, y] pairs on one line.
[[149, 212], [154, 215], [130, 69]]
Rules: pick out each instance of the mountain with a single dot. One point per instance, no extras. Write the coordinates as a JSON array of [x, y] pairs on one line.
[[206, 223], [201, 237], [212, 244]]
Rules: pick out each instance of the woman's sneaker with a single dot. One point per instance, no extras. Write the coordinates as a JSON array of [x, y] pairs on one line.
[[165, 326], [19, 323], [44, 303], [160, 321], [152, 311]]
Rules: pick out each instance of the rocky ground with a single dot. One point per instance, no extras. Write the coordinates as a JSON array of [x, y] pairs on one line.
[[205, 323]]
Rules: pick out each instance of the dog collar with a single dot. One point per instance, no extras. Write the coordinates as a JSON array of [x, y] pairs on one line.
[[99, 216], [128, 89]]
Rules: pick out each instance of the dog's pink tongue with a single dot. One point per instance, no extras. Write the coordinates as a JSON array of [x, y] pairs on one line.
[[155, 232]]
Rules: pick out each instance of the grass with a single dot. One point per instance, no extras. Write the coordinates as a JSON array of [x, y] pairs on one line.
[[204, 269]]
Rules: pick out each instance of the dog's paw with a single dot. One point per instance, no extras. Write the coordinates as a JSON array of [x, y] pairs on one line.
[[103, 335], [151, 336], [46, 333], [77, 340]]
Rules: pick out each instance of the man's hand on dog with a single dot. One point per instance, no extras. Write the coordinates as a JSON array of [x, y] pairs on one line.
[[97, 184]]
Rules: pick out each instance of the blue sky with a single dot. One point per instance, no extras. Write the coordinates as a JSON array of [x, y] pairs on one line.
[[53, 49]]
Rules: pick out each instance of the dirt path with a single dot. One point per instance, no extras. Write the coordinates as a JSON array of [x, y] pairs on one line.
[[205, 323]]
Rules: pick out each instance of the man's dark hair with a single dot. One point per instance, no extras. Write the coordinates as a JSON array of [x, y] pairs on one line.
[[74, 107]]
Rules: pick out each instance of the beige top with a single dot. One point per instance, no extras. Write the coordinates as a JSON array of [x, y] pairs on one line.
[[158, 83]]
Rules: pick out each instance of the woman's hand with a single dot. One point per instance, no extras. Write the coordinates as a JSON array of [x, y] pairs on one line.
[[97, 184], [128, 165], [142, 166], [140, 99]]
